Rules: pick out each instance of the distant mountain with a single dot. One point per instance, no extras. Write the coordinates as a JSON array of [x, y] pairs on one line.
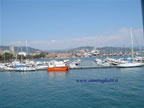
[[55, 51], [89, 48], [17, 49], [113, 49], [101, 49], [70, 50], [86, 48]]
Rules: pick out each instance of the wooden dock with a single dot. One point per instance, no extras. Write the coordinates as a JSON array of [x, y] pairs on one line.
[[93, 67]]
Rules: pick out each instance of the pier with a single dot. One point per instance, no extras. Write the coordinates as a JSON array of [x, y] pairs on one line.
[[93, 67]]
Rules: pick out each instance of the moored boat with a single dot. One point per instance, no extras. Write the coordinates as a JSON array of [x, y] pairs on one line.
[[57, 66], [130, 65], [57, 69], [131, 61]]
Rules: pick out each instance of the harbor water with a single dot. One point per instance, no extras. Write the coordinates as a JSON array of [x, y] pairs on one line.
[[88, 88]]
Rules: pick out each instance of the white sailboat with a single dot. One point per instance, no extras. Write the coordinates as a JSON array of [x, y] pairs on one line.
[[131, 63]]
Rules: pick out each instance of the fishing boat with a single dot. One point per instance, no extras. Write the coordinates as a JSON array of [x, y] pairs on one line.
[[57, 66]]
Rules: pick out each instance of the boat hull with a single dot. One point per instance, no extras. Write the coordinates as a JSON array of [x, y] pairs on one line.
[[57, 69], [130, 65]]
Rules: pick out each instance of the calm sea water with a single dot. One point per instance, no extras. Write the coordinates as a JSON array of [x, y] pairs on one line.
[[43, 89]]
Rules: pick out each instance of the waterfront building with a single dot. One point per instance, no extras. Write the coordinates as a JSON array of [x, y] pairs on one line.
[[94, 52], [35, 53], [22, 54], [6, 51], [64, 55]]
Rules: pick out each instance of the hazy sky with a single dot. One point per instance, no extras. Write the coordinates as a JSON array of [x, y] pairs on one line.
[[62, 24]]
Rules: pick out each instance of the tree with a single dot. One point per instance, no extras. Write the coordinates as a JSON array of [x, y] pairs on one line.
[[41, 55], [7, 56], [1, 57]]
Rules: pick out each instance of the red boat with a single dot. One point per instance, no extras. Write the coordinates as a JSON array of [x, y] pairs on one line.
[[57, 69], [57, 66]]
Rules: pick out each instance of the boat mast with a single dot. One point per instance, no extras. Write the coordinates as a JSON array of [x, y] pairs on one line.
[[27, 48], [21, 54], [18, 49], [132, 52]]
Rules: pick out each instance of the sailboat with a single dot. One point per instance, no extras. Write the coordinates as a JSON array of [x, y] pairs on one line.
[[131, 63]]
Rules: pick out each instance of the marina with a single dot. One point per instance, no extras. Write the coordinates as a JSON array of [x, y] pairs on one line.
[[72, 54], [68, 64]]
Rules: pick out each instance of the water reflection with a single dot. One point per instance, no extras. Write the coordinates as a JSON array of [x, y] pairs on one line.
[[58, 74], [135, 69]]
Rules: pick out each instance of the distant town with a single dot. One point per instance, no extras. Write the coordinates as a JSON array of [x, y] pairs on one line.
[[8, 53]]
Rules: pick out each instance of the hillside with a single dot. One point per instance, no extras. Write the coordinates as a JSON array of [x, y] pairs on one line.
[[89, 48]]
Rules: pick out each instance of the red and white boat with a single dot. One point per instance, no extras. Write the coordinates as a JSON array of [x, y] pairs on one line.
[[57, 66]]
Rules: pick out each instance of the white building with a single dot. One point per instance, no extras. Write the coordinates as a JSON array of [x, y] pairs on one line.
[[22, 53], [6, 51]]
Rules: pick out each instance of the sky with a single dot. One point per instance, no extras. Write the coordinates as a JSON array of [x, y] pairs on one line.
[[64, 24]]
